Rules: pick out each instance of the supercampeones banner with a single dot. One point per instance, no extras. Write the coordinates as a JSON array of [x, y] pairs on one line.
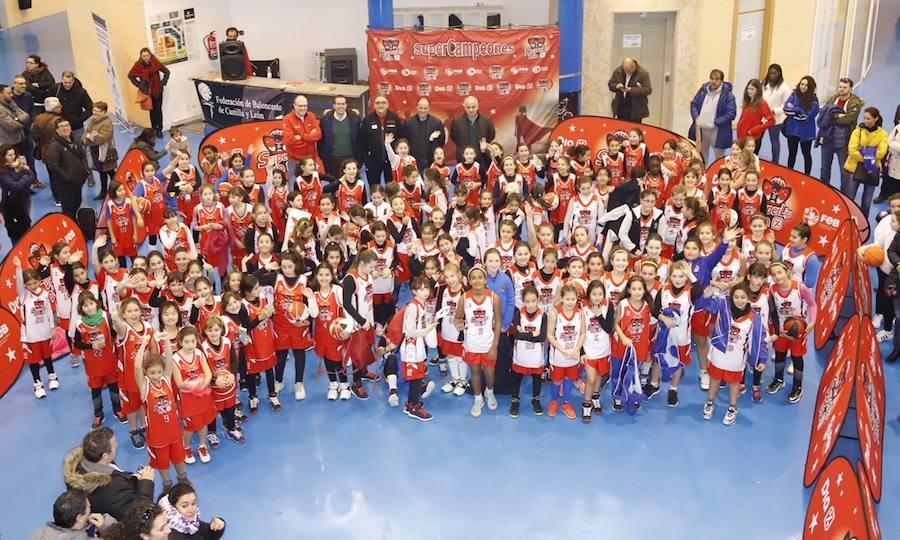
[[264, 138], [36, 243], [513, 73]]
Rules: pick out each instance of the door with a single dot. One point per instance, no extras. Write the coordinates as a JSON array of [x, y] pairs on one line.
[[648, 38], [747, 44]]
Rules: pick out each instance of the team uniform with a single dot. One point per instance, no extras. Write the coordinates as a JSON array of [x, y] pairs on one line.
[[37, 313], [786, 304], [479, 334], [449, 338], [470, 177], [153, 192], [586, 214], [796, 261], [311, 192], [564, 188], [672, 229], [528, 355], [597, 343], [567, 332], [521, 278], [547, 289], [164, 436], [99, 364], [237, 228], [196, 405], [181, 237], [634, 157], [219, 360], [127, 352], [349, 196], [290, 311], [412, 351], [261, 349], [120, 219]]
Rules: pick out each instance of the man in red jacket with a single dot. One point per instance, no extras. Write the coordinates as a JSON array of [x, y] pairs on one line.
[[301, 132]]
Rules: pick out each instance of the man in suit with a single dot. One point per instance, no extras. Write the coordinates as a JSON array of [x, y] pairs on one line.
[[631, 85], [374, 127], [471, 128]]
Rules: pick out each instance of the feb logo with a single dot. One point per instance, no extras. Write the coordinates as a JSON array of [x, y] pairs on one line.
[[496, 72], [777, 192], [537, 48], [390, 51], [424, 89], [431, 73], [463, 89], [384, 88], [544, 85], [811, 216], [504, 88]]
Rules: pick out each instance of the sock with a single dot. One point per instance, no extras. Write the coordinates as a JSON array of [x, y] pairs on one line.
[[463, 369], [554, 391], [645, 368], [392, 382], [97, 398], [479, 398], [452, 363], [673, 387], [566, 390]]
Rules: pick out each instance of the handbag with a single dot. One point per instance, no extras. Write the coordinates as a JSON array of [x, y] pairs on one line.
[[862, 175], [112, 155], [145, 100]]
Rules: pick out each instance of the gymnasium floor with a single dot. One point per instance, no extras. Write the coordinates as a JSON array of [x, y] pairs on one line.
[[361, 470]]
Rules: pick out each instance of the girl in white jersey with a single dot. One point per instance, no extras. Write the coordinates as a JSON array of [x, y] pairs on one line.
[[412, 350], [61, 255], [529, 331], [479, 316], [449, 337], [109, 275], [757, 280], [565, 332], [358, 302], [789, 299], [599, 318], [584, 210], [522, 271], [39, 321]]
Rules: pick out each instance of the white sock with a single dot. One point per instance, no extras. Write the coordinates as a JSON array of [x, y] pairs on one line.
[[479, 398], [489, 392], [463, 370], [453, 366], [392, 382], [645, 368]]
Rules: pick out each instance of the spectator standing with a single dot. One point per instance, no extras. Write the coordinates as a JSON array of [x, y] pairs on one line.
[[883, 237], [150, 77], [630, 83], [471, 128], [92, 468], [233, 34], [802, 109], [146, 143], [16, 178], [98, 138], [12, 120], [776, 93], [25, 101], [890, 184], [72, 517], [340, 136], [756, 116], [39, 80], [425, 133], [712, 110], [837, 119], [866, 150], [77, 105], [68, 169], [300, 133], [375, 126], [43, 130]]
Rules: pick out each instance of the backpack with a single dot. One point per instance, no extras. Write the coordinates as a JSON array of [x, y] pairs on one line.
[[87, 221], [394, 331]]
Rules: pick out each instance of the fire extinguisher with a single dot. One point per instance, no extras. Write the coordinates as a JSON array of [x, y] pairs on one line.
[[212, 49]]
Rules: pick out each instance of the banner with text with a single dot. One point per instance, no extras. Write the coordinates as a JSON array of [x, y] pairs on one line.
[[514, 74], [836, 510], [262, 139], [834, 281], [225, 104]]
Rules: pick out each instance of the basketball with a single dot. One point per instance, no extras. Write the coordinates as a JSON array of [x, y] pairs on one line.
[[873, 255], [551, 200], [794, 327]]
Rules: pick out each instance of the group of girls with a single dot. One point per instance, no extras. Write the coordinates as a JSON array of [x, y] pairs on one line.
[[577, 268]]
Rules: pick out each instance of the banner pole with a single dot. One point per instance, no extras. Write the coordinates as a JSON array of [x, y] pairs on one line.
[[571, 26]]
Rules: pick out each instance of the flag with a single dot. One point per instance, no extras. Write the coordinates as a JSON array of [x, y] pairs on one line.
[[627, 386], [665, 348]]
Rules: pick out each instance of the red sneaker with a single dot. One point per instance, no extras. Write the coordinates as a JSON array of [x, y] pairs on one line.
[[359, 391], [553, 408], [204, 455], [189, 456]]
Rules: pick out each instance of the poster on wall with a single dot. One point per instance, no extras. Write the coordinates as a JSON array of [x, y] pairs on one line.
[[513, 73], [167, 37], [111, 75], [191, 34]]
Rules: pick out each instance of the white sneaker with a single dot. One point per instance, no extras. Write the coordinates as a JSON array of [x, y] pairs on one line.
[[429, 388], [491, 399], [708, 409], [449, 386], [39, 391], [877, 320], [54, 382], [730, 416], [299, 391], [345, 391], [704, 380], [477, 406], [394, 399], [273, 401], [332, 391], [884, 335], [279, 386], [460, 388]]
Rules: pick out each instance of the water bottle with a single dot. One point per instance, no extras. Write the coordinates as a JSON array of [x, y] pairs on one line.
[[269, 71]]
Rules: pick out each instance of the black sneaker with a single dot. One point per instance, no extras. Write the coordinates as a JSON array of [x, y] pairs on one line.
[[514, 408], [122, 418], [617, 406], [536, 406], [359, 391], [604, 380], [434, 361], [586, 408], [891, 358], [136, 440], [775, 386], [672, 399], [795, 395], [650, 390]]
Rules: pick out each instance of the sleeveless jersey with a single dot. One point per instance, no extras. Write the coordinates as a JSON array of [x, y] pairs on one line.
[[404, 162], [120, 220], [567, 332], [363, 296], [449, 301], [673, 223], [278, 203], [261, 349], [205, 311], [330, 310], [384, 259], [761, 304], [749, 204], [128, 346], [635, 323], [585, 214], [529, 173], [565, 191], [735, 355], [521, 279], [443, 169], [163, 425], [581, 253], [616, 167], [99, 362], [37, 316], [634, 156], [470, 177], [193, 404], [413, 348], [60, 293], [291, 310], [349, 196], [614, 289], [239, 225], [788, 303], [681, 302], [479, 335], [187, 201], [797, 263], [596, 340], [219, 360], [311, 191], [547, 289], [179, 238], [529, 354], [728, 270], [658, 186], [152, 191], [506, 254], [409, 235]]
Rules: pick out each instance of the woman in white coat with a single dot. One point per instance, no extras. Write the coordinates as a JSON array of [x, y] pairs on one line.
[[890, 184], [775, 93]]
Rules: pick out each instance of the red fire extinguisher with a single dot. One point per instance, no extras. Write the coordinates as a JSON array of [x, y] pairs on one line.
[[212, 49]]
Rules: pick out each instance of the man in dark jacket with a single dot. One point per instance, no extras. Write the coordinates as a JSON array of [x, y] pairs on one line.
[[25, 101], [712, 111], [471, 128], [631, 85], [92, 468], [340, 136], [371, 137], [65, 160], [838, 116], [77, 105], [426, 133]]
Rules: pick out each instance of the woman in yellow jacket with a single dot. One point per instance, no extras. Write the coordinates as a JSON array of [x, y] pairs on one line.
[[867, 148]]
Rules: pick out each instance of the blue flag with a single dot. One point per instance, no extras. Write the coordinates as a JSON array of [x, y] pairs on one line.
[[627, 386], [665, 348]]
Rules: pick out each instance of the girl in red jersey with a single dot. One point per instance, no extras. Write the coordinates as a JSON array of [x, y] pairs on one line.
[[528, 332], [562, 184], [632, 329], [294, 306], [261, 348], [205, 304], [310, 183], [351, 191], [183, 182], [152, 374], [358, 302], [789, 297], [599, 318], [478, 315], [449, 338], [236, 164], [260, 224], [150, 187], [439, 164], [437, 193], [212, 164], [174, 234], [673, 167], [130, 330], [656, 181], [722, 200], [528, 166], [109, 275], [222, 361], [248, 183], [122, 219], [276, 193], [412, 189], [554, 152], [424, 248], [192, 377], [38, 315], [232, 308], [93, 337], [506, 245], [237, 217], [400, 159], [330, 345], [635, 151], [750, 199], [468, 174], [566, 335]]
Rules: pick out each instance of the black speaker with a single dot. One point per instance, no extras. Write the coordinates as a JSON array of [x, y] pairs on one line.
[[233, 60], [24, 4]]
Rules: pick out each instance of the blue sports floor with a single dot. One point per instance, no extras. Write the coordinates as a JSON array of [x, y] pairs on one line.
[[361, 470]]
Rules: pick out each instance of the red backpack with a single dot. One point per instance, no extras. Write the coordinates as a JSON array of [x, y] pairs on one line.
[[394, 332]]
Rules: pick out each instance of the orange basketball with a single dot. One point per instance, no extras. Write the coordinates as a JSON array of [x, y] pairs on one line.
[[794, 327], [873, 255]]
